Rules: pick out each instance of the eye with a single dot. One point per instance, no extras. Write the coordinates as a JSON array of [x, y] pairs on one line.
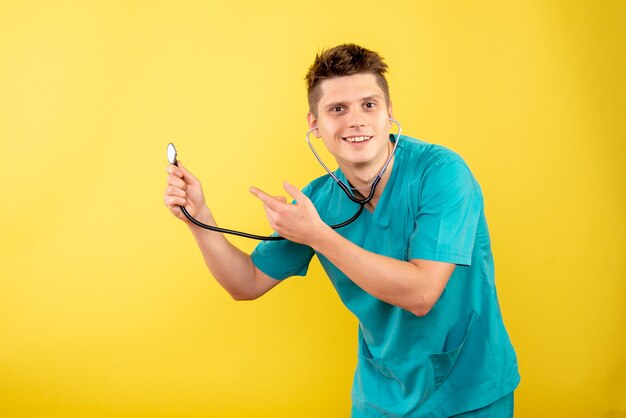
[[370, 105], [336, 109]]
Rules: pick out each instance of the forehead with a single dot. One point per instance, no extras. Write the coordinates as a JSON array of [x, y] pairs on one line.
[[349, 88]]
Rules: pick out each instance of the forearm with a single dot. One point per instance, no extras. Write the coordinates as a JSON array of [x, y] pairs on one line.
[[400, 283], [232, 268]]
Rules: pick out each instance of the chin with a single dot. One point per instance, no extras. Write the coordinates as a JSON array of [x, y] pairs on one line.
[[360, 160]]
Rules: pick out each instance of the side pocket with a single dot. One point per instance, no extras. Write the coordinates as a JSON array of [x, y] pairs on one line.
[[375, 384], [377, 363], [444, 362]]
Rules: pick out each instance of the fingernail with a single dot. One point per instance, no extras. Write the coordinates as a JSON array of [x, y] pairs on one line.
[[286, 183]]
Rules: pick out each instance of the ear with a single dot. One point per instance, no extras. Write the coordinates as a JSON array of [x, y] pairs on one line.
[[312, 120], [390, 110]]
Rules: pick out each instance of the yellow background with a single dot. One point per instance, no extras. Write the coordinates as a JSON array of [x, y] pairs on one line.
[[106, 308]]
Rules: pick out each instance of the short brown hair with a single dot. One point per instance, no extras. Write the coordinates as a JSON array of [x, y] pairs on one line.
[[343, 60]]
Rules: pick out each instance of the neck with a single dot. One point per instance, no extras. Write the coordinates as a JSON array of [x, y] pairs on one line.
[[362, 176]]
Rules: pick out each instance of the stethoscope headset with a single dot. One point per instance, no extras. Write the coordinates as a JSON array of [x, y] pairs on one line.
[[171, 157]]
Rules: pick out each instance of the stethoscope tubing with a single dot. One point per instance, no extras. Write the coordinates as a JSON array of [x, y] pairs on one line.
[[341, 184], [230, 231]]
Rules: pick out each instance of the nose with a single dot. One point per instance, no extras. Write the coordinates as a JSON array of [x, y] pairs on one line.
[[356, 118]]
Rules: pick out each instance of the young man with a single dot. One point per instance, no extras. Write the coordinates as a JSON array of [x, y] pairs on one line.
[[415, 268]]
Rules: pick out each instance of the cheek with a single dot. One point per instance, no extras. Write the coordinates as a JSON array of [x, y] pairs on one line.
[[328, 143], [383, 119], [384, 124], [327, 133]]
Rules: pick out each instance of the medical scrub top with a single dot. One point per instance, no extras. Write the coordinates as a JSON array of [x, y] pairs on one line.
[[454, 359]]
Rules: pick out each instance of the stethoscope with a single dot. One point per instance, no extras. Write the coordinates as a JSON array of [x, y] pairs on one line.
[[171, 157]]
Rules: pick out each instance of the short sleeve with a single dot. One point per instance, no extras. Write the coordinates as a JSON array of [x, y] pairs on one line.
[[284, 258], [448, 209]]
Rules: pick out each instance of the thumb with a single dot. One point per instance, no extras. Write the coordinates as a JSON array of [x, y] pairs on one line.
[[294, 192], [187, 176]]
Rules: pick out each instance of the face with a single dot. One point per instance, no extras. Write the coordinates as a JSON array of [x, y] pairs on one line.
[[353, 120]]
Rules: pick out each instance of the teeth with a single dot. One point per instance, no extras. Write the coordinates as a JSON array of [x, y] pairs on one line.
[[358, 139]]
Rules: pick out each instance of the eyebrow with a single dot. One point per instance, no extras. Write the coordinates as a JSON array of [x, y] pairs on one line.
[[363, 99]]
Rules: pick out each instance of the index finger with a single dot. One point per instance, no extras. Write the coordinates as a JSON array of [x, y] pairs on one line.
[[268, 200]]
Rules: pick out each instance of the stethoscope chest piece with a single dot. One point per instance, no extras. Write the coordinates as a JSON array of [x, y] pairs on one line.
[[171, 154]]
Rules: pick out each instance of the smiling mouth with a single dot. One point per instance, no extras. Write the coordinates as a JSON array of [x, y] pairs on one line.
[[355, 139]]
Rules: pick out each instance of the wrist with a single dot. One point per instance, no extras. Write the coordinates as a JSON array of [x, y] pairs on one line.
[[204, 215], [323, 239]]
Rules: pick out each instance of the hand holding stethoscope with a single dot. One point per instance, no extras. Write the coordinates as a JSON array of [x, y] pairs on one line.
[[185, 199], [184, 191]]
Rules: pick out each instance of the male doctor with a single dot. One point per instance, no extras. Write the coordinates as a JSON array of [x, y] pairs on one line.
[[415, 268]]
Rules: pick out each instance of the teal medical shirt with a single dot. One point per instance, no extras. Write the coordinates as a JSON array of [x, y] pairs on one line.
[[456, 358]]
